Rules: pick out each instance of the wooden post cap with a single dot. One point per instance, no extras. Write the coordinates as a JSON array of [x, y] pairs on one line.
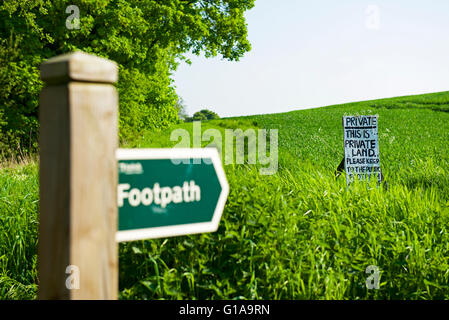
[[78, 66]]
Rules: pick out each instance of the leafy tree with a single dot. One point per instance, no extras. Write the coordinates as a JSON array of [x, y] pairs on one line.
[[198, 116], [18, 100], [147, 38], [181, 107], [205, 114]]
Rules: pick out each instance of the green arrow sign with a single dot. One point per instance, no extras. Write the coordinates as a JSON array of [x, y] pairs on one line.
[[169, 192]]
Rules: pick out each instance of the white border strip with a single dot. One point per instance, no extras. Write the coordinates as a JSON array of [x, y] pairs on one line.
[[183, 229]]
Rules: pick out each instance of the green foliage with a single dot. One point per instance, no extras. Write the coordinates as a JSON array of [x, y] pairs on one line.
[[298, 234], [204, 114], [19, 203], [146, 38], [19, 91], [143, 103], [301, 234], [181, 108]]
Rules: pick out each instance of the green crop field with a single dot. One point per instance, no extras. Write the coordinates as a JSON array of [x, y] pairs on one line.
[[297, 234]]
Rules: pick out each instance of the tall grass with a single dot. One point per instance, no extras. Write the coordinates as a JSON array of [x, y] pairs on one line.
[[301, 235], [19, 202], [298, 234]]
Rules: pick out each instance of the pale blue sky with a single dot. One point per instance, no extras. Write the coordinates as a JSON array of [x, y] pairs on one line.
[[322, 52]]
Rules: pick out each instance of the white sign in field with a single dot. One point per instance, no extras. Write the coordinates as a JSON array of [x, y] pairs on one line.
[[361, 147]]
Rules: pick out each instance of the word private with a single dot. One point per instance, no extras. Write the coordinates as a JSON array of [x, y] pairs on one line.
[[361, 145]]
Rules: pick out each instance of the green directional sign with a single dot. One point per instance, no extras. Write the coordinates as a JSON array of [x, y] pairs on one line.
[[169, 192]]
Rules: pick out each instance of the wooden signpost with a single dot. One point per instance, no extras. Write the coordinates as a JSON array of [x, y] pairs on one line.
[[77, 256], [361, 145], [85, 180]]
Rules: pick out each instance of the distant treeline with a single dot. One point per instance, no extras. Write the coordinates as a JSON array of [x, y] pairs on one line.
[[202, 115]]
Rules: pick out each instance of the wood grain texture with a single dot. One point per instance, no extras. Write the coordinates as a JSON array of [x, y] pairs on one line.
[[54, 181], [78, 185], [93, 188], [79, 66]]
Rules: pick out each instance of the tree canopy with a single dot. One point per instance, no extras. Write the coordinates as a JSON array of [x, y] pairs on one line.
[[204, 114], [147, 38]]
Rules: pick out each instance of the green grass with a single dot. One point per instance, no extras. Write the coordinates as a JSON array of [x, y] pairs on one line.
[[19, 202], [298, 234]]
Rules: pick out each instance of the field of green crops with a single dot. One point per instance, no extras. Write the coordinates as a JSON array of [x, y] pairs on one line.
[[297, 234]]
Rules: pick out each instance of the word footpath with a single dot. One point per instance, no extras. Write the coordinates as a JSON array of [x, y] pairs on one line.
[[161, 196]]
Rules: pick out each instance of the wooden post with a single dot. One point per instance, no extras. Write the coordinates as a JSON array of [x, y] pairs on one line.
[[78, 178]]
